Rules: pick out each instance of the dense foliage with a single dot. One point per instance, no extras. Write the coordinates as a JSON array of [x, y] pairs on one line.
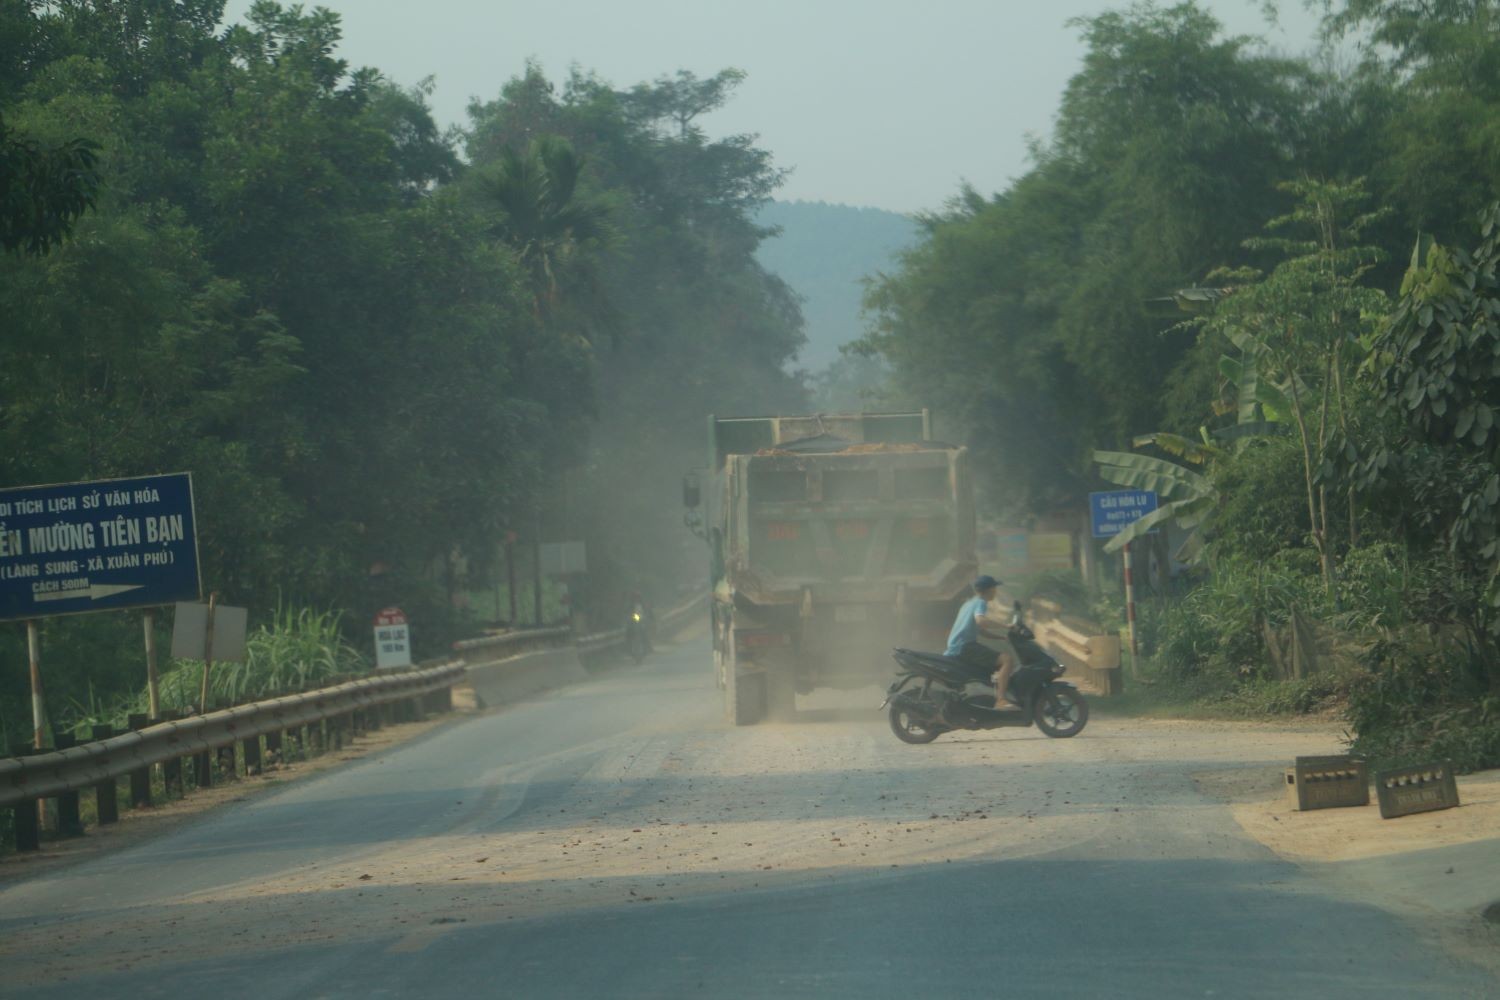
[[1199, 281], [378, 347]]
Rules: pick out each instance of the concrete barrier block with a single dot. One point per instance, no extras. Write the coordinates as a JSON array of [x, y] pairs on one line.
[[1327, 783], [1404, 791]]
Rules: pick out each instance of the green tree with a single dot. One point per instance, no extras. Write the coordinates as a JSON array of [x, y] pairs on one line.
[[1306, 326], [1031, 309], [554, 229], [1437, 363], [43, 190]]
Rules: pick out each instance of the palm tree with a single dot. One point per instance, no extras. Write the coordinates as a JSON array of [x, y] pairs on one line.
[[553, 229]]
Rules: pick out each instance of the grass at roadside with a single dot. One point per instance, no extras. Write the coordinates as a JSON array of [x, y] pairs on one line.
[[1164, 698]]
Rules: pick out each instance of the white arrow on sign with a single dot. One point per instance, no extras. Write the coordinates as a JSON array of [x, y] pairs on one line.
[[95, 592]]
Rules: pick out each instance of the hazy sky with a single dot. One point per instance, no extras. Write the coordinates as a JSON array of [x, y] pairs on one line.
[[889, 103]]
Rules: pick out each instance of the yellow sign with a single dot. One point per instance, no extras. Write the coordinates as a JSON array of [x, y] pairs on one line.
[[1051, 551]]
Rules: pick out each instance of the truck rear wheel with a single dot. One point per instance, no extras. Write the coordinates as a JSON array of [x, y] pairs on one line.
[[744, 693], [745, 699], [781, 693]]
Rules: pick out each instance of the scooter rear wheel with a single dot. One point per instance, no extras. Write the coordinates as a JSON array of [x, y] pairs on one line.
[[908, 728]]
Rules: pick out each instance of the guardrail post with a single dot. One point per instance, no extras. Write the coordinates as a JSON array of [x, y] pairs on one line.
[[203, 769], [252, 755], [224, 755], [273, 747], [171, 768], [140, 779], [69, 823], [106, 800], [28, 823]]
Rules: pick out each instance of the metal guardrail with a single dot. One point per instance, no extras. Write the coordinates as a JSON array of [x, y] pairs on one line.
[[523, 640], [97, 764], [51, 773], [514, 640], [673, 619]]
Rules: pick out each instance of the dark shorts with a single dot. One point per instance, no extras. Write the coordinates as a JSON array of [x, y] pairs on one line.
[[978, 658]]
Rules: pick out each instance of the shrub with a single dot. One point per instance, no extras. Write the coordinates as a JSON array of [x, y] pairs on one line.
[[300, 648], [1428, 697], [1217, 627]]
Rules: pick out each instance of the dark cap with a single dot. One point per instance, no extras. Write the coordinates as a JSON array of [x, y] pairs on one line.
[[986, 582]]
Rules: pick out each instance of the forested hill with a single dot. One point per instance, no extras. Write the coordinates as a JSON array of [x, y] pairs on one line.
[[824, 252]]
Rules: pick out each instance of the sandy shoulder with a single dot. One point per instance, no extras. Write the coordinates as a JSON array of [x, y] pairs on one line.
[[1261, 808]]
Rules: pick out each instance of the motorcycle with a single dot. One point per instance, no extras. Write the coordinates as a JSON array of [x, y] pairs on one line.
[[935, 694], [636, 641]]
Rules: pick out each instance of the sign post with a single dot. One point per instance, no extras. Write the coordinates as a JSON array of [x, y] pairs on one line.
[[1110, 512], [510, 573], [392, 639], [536, 568], [1135, 670], [153, 686], [38, 706], [208, 652]]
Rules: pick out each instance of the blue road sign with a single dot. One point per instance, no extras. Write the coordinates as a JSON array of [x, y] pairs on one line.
[[1112, 511], [98, 546]]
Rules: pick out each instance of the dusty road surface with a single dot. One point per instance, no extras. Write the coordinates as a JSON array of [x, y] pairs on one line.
[[617, 839]]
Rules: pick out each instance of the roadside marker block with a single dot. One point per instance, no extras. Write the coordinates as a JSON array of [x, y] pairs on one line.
[[1327, 783], [1406, 790]]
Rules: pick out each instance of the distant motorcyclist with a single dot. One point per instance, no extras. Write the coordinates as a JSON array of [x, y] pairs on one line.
[[638, 625], [963, 641]]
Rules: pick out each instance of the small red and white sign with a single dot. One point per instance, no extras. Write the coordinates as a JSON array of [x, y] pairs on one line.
[[392, 639]]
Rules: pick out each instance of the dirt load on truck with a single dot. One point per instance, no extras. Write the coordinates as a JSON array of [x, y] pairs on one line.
[[832, 538]]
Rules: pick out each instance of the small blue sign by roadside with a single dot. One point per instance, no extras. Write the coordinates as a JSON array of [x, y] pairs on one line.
[[97, 546], [1111, 511]]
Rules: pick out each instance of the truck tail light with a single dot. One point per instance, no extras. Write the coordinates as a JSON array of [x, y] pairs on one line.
[[758, 640]]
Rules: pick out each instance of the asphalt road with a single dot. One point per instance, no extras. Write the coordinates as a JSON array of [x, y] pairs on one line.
[[617, 839]]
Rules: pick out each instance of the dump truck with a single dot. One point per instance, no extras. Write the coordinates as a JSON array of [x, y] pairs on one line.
[[832, 538]]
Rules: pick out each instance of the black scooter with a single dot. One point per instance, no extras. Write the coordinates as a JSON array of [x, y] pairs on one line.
[[930, 696], [637, 642]]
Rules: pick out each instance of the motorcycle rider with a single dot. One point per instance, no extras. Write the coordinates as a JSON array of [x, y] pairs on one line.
[[641, 617], [963, 641]]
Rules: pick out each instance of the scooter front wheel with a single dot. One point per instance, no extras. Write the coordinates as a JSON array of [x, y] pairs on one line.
[[1061, 711], [908, 728]]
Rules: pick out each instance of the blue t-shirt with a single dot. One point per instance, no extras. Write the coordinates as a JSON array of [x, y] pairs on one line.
[[965, 628]]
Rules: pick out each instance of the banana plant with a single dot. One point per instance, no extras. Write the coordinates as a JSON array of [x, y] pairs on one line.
[[1261, 407]]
